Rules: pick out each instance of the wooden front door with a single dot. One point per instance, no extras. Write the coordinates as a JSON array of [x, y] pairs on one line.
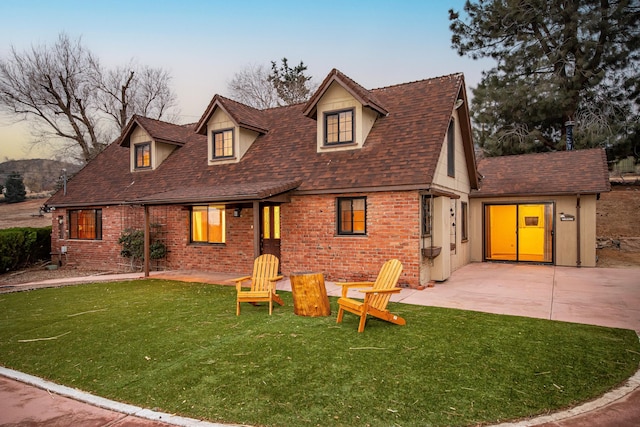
[[270, 230]]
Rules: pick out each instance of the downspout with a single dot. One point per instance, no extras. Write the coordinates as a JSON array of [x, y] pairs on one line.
[[578, 261]]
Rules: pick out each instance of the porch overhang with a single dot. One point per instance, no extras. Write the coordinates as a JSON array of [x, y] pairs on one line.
[[223, 193]]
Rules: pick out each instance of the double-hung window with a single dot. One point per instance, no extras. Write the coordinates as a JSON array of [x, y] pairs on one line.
[[208, 224], [222, 143], [142, 154], [85, 224], [464, 218], [338, 127], [352, 218]]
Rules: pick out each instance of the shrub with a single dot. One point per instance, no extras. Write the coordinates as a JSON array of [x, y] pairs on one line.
[[14, 188], [22, 246]]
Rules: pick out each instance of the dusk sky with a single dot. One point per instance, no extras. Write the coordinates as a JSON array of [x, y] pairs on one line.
[[204, 43]]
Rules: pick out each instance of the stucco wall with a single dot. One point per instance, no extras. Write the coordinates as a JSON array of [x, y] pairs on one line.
[[566, 232]]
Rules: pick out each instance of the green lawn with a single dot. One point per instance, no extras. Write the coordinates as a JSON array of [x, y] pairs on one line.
[[180, 348]]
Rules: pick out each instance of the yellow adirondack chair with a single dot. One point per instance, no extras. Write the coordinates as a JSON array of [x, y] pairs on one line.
[[262, 283], [376, 298]]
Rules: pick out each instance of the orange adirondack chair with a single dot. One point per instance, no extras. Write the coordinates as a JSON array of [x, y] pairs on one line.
[[376, 298], [262, 286]]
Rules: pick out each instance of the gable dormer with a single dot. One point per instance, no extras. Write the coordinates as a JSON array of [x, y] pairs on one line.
[[150, 142], [231, 128], [344, 111]]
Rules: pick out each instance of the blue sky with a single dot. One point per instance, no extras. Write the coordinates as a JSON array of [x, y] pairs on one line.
[[204, 43]]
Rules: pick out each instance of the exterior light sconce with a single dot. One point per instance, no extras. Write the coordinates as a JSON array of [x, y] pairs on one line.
[[236, 212]]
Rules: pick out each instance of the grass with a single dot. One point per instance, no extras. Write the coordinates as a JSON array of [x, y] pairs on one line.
[[180, 348]]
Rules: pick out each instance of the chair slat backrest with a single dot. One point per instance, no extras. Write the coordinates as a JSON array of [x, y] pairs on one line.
[[265, 267], [387, 279]]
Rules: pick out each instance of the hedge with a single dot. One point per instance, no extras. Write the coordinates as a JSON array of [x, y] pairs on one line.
[[22, 246]]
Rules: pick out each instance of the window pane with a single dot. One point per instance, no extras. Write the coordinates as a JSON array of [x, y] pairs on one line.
[[346, 224], [332, 128], [143, 155], [276, 222], [358, 216], [198, 224], [223, 143], [216, 224], [352, 216], [85, 224], [266, 223], [346, 127]]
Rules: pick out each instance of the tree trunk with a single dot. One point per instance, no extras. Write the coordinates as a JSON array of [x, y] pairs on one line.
[[309, 295]]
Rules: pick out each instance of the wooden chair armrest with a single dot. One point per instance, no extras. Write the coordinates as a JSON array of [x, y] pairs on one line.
[[381, 291], [239, 281], [347, 285]]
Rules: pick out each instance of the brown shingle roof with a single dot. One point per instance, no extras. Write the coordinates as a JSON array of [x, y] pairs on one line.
[[400, 152], [364, 96], [157, 130], [244, 115], [554, 173]]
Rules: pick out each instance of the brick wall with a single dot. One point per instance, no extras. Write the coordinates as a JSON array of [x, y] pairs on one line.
[[309, 238], [310, 241]]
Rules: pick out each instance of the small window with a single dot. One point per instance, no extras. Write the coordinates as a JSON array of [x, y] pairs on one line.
[[426, 215], [338, 127], [222, 143], [451, 150], [464, 208], [85, 224], [352, 216], [208, 224], [143, 155]]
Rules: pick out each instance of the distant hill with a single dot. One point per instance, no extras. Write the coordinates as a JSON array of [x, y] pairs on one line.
[[39, 175]]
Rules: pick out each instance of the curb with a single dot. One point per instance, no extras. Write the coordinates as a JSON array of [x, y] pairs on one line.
[[110, 405]]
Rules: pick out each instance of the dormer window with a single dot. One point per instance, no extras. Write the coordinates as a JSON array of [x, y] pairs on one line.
[[142, 155], [339, 127], [222, 143]]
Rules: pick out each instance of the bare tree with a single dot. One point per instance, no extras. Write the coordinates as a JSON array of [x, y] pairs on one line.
[[251, 86], [72, 102], [53, 86], [135, 89]]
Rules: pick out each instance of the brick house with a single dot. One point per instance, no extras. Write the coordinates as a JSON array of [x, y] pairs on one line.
[[338, 185]]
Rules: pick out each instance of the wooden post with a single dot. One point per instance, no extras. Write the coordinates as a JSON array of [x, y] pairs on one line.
[[309, 294], [147, 238]]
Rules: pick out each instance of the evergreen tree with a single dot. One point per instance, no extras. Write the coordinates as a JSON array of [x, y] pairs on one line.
[[291, 84], [560, 66], [14, 188]]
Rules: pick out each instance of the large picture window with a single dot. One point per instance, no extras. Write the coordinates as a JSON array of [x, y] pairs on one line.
[[338, 127], [352, 216], [222, 143], [85, 224], [208, 224], [143, 155]]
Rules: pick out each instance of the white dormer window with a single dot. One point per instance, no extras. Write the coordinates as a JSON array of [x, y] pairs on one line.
[[142, 155], [339, 127], [222, 143]]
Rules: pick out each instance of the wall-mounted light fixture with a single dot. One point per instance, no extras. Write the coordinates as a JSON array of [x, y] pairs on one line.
[[236, 212]]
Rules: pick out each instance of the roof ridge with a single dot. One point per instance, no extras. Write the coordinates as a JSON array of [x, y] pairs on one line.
[[452, 75]]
